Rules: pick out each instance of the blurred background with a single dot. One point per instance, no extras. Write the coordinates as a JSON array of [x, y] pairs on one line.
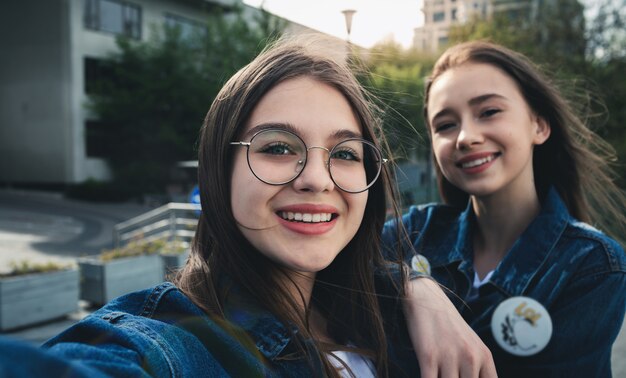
[[101, 100]]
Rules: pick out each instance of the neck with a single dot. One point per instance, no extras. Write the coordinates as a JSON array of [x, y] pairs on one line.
[[301, 289], [501, 219]]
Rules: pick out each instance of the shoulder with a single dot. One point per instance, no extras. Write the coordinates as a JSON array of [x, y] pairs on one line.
[[150, 330], [152, 302], [138, 316], [599, 251]]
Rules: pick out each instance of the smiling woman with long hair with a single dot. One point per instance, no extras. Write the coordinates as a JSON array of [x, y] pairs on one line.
[[519, 173]]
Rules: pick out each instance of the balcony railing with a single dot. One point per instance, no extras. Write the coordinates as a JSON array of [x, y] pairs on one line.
[[173, 221]]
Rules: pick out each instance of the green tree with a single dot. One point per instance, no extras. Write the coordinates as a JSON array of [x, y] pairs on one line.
[[547, 31], [154, 98], [396, 77]]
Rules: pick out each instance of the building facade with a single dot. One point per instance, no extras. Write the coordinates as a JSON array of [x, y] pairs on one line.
[[441, 15], [50, 52], [50, 55]]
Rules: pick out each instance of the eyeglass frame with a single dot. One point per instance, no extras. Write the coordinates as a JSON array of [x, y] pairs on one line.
[[306, 158]]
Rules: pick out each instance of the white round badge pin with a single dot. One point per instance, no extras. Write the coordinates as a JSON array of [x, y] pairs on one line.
[[521, 326], [420, 264]]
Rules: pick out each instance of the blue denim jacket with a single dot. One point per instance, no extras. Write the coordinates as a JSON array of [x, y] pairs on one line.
[[576, 272], [159, 332]]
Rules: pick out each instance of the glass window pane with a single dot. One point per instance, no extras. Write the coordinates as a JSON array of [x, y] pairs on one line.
[[111, 17], [90, 16]]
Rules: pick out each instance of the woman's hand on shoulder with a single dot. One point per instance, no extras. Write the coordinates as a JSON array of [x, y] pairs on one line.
[[444, 343]]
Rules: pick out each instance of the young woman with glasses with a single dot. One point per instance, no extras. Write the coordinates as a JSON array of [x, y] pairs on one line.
[[285, 277]]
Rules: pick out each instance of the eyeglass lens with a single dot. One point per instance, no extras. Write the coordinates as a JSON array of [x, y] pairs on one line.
[[277, 157]]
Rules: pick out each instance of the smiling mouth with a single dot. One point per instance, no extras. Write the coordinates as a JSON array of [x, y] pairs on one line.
[[306, 217], [478, 162]]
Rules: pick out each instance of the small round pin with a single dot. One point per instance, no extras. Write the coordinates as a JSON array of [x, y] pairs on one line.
[[419, 263]]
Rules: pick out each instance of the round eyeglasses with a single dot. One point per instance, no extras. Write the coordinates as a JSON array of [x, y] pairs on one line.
[[277, 157]]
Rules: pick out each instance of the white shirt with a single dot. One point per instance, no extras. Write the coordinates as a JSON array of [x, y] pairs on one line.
[[361, 366], [477, 284]]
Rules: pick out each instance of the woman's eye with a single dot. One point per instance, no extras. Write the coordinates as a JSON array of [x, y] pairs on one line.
[[345, 155], [443, 126], [277, 148], [490, 112]]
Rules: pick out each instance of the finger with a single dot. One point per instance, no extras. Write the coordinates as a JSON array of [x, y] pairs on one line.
[[428, 367], [450, 369], [470, 368], [488, 370]]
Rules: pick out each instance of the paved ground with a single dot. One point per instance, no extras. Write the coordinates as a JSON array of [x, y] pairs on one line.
[[44, 226]]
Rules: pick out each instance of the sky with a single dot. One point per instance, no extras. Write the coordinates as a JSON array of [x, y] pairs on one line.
[[374, 20]]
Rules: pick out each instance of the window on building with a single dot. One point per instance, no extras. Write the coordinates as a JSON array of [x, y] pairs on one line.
[[97, 73], [113, 16], [438, 16], [453, 16], [443, 41], [97, 139], [188, 28]]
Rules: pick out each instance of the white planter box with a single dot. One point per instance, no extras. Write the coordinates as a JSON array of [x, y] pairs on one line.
[[37, 297], [173, 262], [102, 281]]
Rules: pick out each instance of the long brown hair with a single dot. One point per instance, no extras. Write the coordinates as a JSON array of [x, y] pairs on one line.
[[344, 291], [574, 160]]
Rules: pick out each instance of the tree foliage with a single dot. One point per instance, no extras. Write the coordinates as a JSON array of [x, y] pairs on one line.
[[396, 77], [547, 31], [153, 98]]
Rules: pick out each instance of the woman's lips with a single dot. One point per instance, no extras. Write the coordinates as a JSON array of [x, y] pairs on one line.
[[477, 163], [308, 219]]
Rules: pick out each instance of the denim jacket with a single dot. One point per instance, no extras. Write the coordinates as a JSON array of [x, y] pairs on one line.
[[159, 332], [576, 272]]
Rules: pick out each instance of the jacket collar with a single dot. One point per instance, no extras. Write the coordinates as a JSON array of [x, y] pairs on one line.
[[526, 256], [531, 251], [268, 333]]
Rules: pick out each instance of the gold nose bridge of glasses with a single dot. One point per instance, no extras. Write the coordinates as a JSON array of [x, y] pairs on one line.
[[301, 162]]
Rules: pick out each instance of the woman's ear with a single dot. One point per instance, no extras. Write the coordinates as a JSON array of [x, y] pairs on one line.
[[542, 130]]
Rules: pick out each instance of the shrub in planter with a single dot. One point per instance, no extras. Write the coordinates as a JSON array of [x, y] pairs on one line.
[[119, 271], [33, 292]]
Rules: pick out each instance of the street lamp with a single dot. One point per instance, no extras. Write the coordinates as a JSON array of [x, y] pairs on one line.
[[348, 14]]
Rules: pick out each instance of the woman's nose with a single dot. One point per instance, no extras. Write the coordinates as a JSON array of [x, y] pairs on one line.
[[315, 176], [469, 134]]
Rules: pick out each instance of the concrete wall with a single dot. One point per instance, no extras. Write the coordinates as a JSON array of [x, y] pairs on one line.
[[35, 125]]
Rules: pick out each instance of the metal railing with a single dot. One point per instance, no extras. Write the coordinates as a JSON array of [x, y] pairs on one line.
[[173, 221]]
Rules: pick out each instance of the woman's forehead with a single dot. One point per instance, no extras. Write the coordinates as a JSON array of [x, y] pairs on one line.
[[307, 107]]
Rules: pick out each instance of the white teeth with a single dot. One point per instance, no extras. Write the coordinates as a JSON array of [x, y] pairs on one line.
[[477, 162], [306, 217]]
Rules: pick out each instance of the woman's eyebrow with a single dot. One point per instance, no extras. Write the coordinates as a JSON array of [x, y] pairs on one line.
[[482, 98], [345, 134], [270, 125], [337, 135]]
